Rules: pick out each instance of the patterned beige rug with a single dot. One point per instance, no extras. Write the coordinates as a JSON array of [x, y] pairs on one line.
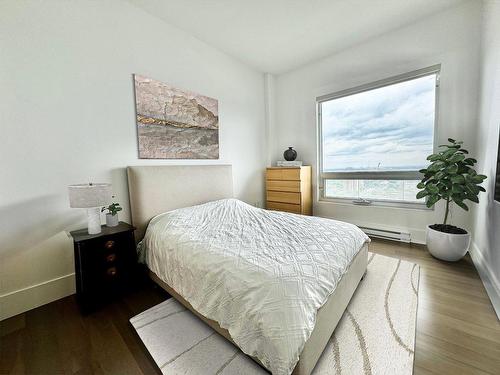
[[376, 335]]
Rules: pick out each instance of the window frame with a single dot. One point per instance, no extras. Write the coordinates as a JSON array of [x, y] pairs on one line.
[[383, 175]]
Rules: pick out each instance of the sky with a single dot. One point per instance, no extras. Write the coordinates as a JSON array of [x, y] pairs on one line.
[[389, 128]]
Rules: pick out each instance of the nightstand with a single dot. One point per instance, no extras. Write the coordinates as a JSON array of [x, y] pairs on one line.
[[105, 264]]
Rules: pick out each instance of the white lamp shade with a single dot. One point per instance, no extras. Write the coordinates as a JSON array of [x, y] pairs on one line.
[[89, 195]]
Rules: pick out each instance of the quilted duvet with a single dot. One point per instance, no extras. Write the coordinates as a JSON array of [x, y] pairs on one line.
[[262, 275]]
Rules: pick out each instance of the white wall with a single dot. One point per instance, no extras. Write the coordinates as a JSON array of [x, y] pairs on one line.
[[67, 116], [450, 38], [486, 240]]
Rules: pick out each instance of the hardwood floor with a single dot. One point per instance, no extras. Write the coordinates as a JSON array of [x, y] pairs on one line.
[[457, 329]]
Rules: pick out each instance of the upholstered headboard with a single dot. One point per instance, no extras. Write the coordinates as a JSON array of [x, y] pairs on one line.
[[157, 189]]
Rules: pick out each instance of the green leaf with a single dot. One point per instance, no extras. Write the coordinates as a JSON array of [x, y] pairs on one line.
[[424, 171], [471, 189], [470, 172], [452, 169], [451, 140], [435, 166], [421, 185], [439, 175], [456, 158], [446, 183], [478, 179], [462, 168], [433, 189], [456, 147], [432, 201], [481, 188], [464, 150], [461, 204], [422, 194], [449, 153], [458, 179], [434, 157], [473, 198]]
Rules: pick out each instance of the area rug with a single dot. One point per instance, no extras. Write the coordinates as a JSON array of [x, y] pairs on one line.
[[376, 334]]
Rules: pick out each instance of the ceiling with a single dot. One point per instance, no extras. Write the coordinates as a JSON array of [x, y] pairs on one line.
[[277, 36]]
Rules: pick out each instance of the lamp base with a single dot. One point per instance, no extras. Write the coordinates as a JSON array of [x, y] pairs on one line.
[[94, 220]]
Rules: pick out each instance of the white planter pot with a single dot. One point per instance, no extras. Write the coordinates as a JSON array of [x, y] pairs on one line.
[[111, 221], [447, 246]]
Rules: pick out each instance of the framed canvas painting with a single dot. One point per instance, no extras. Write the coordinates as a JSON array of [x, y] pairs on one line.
[[173, 123]]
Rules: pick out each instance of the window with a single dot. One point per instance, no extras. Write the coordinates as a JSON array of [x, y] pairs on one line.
[[375, 138]]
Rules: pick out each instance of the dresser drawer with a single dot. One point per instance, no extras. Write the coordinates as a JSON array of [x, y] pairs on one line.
[[283, 185], [287, 207], [283, 174], [284, 197]]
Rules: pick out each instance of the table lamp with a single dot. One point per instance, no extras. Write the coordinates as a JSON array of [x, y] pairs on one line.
[[92, 197]]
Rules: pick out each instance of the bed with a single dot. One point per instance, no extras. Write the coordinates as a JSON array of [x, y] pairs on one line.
[[232, 273]]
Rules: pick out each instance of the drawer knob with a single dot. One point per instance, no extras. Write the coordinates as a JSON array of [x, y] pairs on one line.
[[109, 244], [111, 258], [112, 271]]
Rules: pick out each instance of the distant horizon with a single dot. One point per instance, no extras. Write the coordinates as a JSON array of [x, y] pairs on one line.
[[407, 168]]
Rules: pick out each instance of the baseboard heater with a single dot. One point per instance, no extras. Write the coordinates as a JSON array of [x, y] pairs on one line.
[[387, 234]]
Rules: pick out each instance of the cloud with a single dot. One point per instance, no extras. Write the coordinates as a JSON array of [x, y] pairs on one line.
[[388, 128]]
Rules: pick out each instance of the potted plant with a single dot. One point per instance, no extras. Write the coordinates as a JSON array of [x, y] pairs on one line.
[[450, 177], [112, 214]]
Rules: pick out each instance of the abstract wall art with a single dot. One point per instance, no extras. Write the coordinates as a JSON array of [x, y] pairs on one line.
[[173, 123]]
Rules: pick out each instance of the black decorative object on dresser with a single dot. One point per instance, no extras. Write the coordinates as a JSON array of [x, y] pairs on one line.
[[290, 154], [105, 264]]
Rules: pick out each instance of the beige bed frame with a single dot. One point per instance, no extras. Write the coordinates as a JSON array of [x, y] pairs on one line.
[[157, 189]]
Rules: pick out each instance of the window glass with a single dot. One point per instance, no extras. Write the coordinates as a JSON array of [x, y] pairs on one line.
[[386, 129], [389, 128], [383, 190]]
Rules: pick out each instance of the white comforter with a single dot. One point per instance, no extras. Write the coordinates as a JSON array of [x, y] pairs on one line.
[[261, 274]]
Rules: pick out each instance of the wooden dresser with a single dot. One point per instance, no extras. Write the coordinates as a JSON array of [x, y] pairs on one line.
[[289, 189]]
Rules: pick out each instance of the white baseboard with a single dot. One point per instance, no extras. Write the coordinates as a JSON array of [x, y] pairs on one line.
[[490, 282], [25, 299]]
